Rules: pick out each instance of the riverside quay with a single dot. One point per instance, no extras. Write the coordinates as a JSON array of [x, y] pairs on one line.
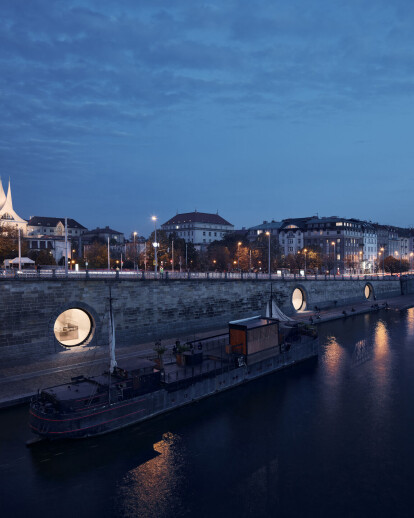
[[47, 312]]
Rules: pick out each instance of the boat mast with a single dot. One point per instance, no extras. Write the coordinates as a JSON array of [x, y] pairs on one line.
[[111, 330], [271, 301]]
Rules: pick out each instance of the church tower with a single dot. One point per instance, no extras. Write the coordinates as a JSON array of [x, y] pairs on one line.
[[7, 215]]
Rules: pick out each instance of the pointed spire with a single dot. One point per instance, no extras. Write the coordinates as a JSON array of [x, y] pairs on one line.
[[2, 195], [9, 196]]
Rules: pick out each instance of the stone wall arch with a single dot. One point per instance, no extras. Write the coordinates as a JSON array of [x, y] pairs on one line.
[[369, 293], [94, 338], [299, 298]]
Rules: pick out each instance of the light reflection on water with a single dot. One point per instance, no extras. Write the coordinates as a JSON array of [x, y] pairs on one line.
[[332, 437], [154, 488], [410, 322]]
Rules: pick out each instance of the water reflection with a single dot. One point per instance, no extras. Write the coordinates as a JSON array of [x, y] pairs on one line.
[[381, 340], [334, 357], [410, 322], [153, 489], [331, 437]]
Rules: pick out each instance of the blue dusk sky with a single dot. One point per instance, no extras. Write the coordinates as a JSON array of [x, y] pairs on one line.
[[112, 111]]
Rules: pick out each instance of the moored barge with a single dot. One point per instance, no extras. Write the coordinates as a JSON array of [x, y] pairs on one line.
[[134, 390]]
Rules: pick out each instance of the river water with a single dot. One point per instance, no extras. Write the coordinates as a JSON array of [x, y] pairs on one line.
[[332, 437]]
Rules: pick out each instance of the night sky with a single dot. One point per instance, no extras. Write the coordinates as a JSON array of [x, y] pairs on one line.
[[112, 111]]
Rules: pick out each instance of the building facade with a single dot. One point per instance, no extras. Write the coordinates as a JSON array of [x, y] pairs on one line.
[[48, 226], [267, 226], [104, 234], [340, 242], [199, 228]]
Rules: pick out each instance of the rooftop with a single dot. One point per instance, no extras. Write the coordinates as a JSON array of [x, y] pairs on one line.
[[105, 230], [47, 221], [197, 217]]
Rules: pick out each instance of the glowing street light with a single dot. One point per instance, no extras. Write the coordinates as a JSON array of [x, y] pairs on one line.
[[268, 258], [155, 244], [383, 260], [238, 255], [333, 244], [135, 249]]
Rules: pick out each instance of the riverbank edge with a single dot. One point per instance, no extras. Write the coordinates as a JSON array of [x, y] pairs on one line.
[[400, 303]]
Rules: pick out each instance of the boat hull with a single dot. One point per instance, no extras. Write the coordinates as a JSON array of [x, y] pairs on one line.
[[110, 417]]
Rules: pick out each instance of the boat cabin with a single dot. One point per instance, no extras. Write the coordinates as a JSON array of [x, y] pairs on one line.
[[253, 335]]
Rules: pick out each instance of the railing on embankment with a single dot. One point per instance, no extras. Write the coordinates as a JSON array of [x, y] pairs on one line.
[[168, 275]]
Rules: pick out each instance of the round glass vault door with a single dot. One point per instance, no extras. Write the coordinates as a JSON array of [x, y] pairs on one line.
[[73, 327], [367, 291], [298, 300]]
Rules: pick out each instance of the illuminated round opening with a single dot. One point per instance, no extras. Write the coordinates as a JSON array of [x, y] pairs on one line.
[[368, 291], [73, 327], [298, 299]]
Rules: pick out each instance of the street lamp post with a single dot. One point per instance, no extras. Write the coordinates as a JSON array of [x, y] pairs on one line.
[[268, 258], [135, 250], [305, 252], [411, 261], [360, 261], [154, 219], [172, 255], [238, 255], [20, 253], [334, 257], [383, 260], [109, 258], [186, 257]]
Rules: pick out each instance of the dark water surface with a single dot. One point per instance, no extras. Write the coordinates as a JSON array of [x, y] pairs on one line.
[[327, 438]]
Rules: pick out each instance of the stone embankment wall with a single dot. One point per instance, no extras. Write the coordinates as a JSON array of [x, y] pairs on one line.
[[148, 309]]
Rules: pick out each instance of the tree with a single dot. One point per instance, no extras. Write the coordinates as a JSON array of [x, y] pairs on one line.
[[97, 255], [218, 256], [164, 252], [393, 265], [44, 257], [261, 246], [313, 258], [9, 243]]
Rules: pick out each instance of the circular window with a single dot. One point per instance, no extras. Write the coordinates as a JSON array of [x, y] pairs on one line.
[[368, 291], [73, 327], [298, 299]]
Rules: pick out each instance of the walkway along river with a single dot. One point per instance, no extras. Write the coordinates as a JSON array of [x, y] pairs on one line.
[[331, 437]]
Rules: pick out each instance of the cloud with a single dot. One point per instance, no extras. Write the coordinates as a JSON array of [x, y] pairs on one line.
[[80, 76]]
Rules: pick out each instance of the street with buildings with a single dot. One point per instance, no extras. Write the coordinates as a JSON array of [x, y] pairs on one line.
[[208, 242]]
